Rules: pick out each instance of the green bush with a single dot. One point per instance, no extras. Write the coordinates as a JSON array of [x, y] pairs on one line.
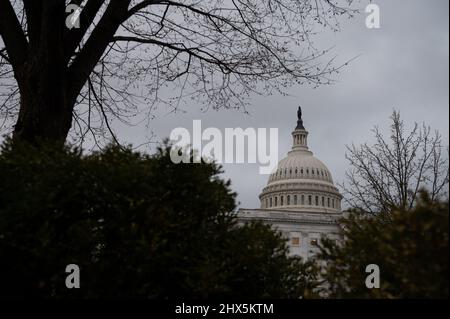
[[410, 248], [138, 226]]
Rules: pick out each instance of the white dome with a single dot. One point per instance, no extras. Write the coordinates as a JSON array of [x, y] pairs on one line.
[[301, 182], [301, 165]]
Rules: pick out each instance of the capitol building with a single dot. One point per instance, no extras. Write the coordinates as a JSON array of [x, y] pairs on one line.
[[300, 199]]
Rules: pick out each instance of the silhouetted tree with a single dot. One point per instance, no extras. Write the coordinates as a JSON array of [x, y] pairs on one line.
[[126, 53], [411, 251], [391, 172], [137, 226]]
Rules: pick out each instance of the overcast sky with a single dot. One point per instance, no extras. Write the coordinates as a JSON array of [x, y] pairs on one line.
[[402, 65]]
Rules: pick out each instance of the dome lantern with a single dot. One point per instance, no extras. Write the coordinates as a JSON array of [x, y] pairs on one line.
[[300, 134]]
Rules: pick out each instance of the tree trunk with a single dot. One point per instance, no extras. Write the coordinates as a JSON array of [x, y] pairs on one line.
[[45, 114], [45, 109]]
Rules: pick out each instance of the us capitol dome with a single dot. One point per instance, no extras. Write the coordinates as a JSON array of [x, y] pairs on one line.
[[300, 199]]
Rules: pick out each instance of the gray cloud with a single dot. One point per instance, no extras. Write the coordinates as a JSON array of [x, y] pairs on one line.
[[402, 65]]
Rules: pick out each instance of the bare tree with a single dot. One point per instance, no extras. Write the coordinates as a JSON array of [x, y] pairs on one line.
[[129, 54], [391, 172]]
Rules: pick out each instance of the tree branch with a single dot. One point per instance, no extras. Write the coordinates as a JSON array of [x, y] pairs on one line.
[[33, 10], [132, 11], [75, 35], [96, 45], [4, 56], [12, 34]]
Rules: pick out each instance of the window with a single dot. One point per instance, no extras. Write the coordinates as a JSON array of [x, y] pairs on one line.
[[303, 199], [276, 201], [295, 241], [282, 200], [313, 242], [270, 201], [332, 202], [301, 171], [288, 200], [323, 201], [267, 203], [328, 201], [309, 200], [295, 199], [317, 200]]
